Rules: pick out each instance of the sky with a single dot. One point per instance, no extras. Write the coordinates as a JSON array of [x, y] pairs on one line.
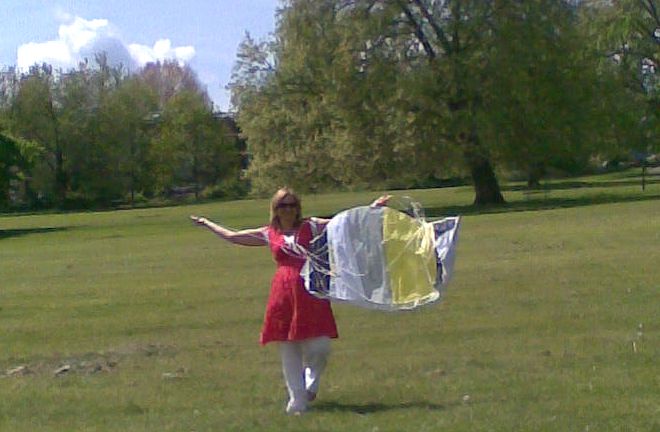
[[202, 33]]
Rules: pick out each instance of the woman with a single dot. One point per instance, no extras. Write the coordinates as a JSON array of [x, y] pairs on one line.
[[301, 323]]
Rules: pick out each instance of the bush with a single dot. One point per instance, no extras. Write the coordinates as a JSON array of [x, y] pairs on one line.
[[227, 190]]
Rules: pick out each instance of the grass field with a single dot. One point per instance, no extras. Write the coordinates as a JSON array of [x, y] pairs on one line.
[[551, 324]]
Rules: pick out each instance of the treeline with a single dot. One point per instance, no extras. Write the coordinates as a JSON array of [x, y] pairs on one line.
[[349, 94], [398, 93], [99, 136]]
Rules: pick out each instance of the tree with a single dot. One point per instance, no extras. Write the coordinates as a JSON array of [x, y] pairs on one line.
[[104, 132], [313, 119], [627, 33], [126, 131], [88, 170], [89, 163], [10, 159], [192, 146], [448, 42], [329, 51], [543, 105], [255, 64], [168, 78], [16, 158], [9, 84], [289, 122], [36, 117]]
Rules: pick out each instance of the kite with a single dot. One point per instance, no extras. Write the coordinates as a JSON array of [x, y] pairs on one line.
[[381, 258]]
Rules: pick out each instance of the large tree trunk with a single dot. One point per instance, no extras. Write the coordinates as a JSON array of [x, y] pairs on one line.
[[486, 187]]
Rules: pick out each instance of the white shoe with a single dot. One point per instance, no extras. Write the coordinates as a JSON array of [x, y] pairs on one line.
[[296, 408]]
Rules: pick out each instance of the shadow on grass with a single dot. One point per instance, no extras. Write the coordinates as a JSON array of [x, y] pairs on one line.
[[537, 204], [369, 408], [7, 233], [584, 184]]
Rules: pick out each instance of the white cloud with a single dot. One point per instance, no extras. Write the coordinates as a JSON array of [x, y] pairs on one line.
[[55, 53], [81, 32], [81, 38], [161, 50]]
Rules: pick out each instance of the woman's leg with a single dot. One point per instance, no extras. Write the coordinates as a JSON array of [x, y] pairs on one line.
[[315, 352], [292, 367]]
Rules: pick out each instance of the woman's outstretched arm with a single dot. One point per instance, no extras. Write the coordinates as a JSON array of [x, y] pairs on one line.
[[379, 202], [246, 237]]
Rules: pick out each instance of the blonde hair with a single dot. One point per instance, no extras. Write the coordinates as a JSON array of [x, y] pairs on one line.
[[275, 201]]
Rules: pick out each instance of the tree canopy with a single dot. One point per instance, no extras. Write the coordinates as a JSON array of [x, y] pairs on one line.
[[349, 94], [390, 92], [110, 136]]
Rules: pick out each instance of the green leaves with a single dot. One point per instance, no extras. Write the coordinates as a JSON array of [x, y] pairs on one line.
[[106, 137], [192, 147], [364, 93], [17, 156], [388, 92]]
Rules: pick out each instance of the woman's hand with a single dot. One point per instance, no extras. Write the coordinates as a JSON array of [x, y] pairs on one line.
[[381, 201], [199, 220]]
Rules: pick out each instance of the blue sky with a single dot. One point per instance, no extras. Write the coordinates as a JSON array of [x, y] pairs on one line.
[[202, 33]]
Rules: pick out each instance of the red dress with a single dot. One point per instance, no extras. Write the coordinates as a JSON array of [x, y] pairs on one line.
[[292, 313]]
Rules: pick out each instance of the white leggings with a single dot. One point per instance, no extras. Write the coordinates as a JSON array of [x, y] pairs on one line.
[[303, 363]]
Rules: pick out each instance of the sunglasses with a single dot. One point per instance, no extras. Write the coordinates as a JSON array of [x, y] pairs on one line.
[[287, 205]]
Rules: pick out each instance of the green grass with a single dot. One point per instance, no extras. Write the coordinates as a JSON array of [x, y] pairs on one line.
[[159, 322]]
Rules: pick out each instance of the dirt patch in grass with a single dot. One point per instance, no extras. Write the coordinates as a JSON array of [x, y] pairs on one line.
[[86, 363]]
